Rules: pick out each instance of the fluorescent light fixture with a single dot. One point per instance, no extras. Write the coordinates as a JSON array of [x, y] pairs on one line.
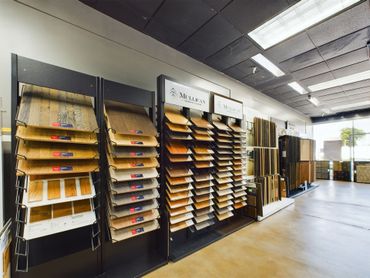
[[298, 88], [341, 81], [314, 100], [267, 64], [351, 105], [297, 18]]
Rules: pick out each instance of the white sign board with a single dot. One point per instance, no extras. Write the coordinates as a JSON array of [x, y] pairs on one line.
[[185, 96], [227, 107]]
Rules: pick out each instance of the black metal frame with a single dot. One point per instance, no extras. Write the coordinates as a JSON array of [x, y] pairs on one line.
[[135, 256], [185, 242], [54, 248]]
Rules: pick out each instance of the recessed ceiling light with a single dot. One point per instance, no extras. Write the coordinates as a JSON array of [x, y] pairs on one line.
[[341, 81], [297, 18], [267, 64], [298, 88], [314, 100], [351, 105]]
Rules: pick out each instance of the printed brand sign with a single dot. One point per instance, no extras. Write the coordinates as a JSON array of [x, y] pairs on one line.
[[185, 96], [227, 107], [57, 137]]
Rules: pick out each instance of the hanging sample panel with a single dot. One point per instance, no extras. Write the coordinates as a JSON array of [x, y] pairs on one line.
[[132, 160], [203, 168], [179, 176], [56, 160]]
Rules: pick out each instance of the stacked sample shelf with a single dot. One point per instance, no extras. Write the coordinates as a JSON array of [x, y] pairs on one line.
[[132, 159], [224, 170], [342, 170], [203, 167], [56, 155], [179, 176], [240, 161]]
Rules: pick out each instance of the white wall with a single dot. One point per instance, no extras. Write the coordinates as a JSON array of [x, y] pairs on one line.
[[69, 34]]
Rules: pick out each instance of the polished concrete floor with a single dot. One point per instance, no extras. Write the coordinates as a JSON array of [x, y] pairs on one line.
[[326, 233]]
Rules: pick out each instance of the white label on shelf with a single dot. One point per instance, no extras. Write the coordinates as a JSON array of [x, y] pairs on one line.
[[284, 153], [227, 107], [185, 96]]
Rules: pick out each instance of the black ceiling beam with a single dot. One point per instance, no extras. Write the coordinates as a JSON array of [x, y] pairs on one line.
[[342, 116]]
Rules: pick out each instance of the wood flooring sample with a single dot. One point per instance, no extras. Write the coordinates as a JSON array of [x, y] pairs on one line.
[[59, 136], [177, 118], [132, 140], [48, 150], [70, 187], [178, 128], [40, 213], [177, 148], [53, 189], [81, 206], [129, 119], [85, 186], [62, 209], [35, 190], [202, 123], [49, 108]]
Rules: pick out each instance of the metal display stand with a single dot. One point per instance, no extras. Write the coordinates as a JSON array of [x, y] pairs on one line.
[[139, 255], [187, 241], [74, 251]]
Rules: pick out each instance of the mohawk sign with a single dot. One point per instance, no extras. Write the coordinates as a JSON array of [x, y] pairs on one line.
[[185, 96]]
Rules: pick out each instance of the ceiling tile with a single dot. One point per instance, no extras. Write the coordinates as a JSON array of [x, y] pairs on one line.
[[217, 4], [303, 60], [247, 15], [311, 71], [241, 70], [258, 77], [236, 52], [348, 59], [177, 19], [345, 44], [131, 12], [276, 82], [352, 69], [290, 48], [317, 79], [213, 36], [343, 24]]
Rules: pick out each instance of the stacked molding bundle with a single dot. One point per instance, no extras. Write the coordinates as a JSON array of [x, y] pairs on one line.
[[132, 158], [342, 170], [56, 155], [297, 163], [323, 170], [362, 172], [266, 165]]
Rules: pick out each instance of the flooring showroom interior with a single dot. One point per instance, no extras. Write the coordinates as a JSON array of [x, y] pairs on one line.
[[184, 138]]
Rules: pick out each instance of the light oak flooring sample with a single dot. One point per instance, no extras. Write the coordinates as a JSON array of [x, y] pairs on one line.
[[85, 186], [129, 152], [177, 118], [70, 187], [221, 126], [130, 163], [51, 135], [129, 119], [200, 122], [55, 167], [132, 140], [53, 189], [45, 150], [178, 128], [35, 190], [49, 108], [127, 221]]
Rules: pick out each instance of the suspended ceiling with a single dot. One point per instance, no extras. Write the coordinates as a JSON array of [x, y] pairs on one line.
[[215, 33]]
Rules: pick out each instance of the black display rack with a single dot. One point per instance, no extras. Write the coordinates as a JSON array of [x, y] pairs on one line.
[[187, 241], [139, 255], [71, 252]]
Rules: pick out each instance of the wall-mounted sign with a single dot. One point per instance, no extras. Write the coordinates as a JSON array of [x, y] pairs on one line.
[[227, 107], [185, 96]]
